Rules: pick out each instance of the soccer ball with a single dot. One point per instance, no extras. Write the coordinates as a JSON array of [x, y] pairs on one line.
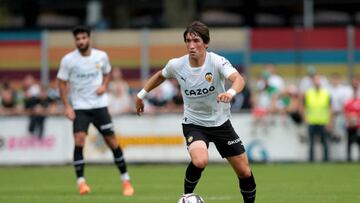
[[191, 198]]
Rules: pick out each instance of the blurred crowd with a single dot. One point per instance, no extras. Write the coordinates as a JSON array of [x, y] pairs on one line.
[[268, 94], [272, 95], [29, 97], [322, 109]]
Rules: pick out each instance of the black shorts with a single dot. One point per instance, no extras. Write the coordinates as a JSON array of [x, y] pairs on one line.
[[224, 137], [99, 117]]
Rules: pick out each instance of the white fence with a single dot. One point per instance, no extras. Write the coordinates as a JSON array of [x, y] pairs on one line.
[[152, 139]]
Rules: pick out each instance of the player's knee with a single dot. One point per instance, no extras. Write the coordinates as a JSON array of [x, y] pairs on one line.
[[79, 139], [200, 162], [80, 143], [247, 173], [111, 141], [244, 172]]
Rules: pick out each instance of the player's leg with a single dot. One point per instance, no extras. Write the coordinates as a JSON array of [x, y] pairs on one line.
[[79, 163], [348, 146], [41, 127], [247, 184], [230, 146], [324, 141], [32, 124], [105, 126], [312, 134], [198, 150], [80, 126], [352, 137], [119, 160], [199, 159], [357, 134]]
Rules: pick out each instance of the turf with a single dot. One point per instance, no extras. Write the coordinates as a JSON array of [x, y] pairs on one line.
[[276, 183]]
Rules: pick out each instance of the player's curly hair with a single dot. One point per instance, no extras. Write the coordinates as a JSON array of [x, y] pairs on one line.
[[81, 29], [200, 29]]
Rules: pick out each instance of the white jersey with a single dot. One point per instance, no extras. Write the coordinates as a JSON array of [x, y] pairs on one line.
[[85, 75], [200, 87]]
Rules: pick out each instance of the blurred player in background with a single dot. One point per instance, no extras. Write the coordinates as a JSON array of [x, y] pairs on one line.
[[201, 76], [86, 71]]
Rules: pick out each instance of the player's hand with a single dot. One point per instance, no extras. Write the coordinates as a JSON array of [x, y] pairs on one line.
[[69, 113], [139, 106], [101, 90], [224, 97]]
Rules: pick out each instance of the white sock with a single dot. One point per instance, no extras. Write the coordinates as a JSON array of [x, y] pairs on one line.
[[80, 180], [125, 176]]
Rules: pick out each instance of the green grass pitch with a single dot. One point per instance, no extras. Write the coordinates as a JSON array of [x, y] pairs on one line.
[[276, 183]]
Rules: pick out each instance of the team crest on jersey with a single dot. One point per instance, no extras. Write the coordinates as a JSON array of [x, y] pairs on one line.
[[97, 65], [209, 77]]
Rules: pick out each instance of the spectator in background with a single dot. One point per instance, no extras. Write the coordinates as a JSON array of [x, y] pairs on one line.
[[307, 81], [8, 99], [53, 93], [274, 80], [175, 105], [266, 94], [35, 98], [352, 115], [120, 100], [161, 96], [38, 107], [31, 87], [242, 101], [289, 101], [264, 103], [317, 111], [339, 93]]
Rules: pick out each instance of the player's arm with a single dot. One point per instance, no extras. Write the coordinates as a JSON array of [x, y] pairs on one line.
[[103, 88], [69, 112], [152, 83], [330, 126], [238, 84]]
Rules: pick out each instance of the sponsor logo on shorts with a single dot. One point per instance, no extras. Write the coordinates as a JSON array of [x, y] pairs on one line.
[[190, 139], [234, 141], [106, 126]]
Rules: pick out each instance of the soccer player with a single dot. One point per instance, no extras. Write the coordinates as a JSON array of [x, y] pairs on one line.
[[201, 75], [86, 72]]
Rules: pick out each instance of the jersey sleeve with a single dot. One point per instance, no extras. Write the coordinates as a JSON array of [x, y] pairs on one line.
[[168, 70], [225, 67], [106, 67], [64, 72]]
